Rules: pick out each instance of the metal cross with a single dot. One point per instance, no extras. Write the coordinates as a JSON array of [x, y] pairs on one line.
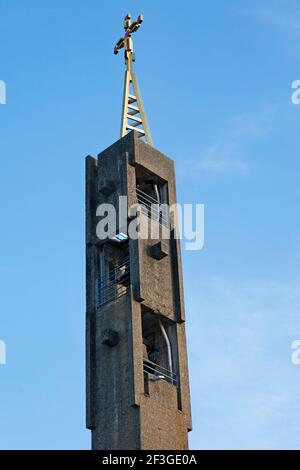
[[133, 114], [126, 41]]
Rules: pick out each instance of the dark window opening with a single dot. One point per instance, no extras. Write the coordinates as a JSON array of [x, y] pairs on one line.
[[113, 276], [158, 349], [152, 195]]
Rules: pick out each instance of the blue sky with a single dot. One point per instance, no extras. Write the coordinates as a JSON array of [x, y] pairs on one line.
[[216, 81]]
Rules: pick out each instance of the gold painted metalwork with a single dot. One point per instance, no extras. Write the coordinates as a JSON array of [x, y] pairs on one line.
[[133, 113]]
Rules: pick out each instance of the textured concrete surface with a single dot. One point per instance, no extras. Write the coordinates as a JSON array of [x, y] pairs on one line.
[[124, 411]]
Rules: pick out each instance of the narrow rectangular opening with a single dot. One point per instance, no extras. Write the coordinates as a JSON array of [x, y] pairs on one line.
[[152, 195], [158, 350], [113, 273]]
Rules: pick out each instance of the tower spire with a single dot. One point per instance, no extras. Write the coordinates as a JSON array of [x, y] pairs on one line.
[[133, 113]]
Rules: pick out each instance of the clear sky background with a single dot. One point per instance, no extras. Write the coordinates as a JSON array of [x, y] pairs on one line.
[[216, 81]]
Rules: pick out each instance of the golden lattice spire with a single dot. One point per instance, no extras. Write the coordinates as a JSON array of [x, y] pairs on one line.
[[133, 113]]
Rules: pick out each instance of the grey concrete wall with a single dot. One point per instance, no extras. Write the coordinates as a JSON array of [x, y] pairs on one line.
[[117, 418], [119, 413]]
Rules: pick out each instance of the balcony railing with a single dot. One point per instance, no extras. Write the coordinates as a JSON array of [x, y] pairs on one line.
[[159, 372], [114, 283], [152, 208]]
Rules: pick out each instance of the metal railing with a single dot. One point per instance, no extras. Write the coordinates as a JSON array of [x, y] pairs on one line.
[[159, 372], [114, 283], [152, 208]]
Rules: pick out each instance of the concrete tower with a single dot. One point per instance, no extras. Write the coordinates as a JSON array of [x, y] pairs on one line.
[[137, 373]]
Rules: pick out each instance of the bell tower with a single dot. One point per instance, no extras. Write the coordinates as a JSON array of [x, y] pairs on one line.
[[137, 372]]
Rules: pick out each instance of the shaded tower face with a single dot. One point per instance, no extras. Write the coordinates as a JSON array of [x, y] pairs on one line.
[[137, 374]]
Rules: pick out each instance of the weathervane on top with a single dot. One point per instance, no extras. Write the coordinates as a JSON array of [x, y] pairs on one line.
[[133, 113]]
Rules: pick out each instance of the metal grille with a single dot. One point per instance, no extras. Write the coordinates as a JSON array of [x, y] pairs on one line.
[[159, 372], [114, 283], [152, 209]]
